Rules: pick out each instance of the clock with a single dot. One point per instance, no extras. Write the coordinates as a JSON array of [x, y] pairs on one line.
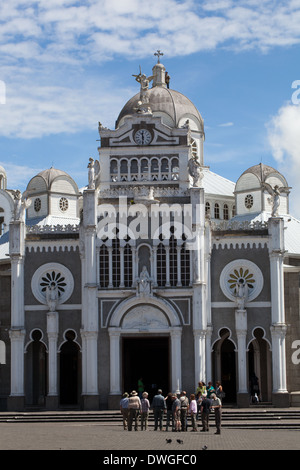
[[142, 137]]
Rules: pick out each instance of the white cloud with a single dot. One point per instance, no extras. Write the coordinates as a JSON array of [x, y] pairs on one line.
[[284, 138], [45, 46]]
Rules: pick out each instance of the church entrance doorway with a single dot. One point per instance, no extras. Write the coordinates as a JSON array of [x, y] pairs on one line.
[[146, 358], [69, 371]]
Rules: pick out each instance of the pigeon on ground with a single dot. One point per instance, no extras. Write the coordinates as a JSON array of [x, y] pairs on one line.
[[179, 441], [204, 448], [168, 441]]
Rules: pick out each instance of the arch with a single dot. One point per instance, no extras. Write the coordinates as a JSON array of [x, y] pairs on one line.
[[69, 369], [260, 362], [36, 369], [127, 305], [224, 363]]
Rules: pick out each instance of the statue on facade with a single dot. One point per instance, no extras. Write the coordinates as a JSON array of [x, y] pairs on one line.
[[275, 196], [241, 293], [144, 282], [52, 297], [143, 104], [195, 171], [93, 174], [21, 203]]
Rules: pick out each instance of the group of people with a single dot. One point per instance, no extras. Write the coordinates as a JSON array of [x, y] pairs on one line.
[[177, 408]]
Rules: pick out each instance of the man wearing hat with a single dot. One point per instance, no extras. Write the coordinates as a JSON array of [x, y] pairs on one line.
[[134, 408], [158, 406]]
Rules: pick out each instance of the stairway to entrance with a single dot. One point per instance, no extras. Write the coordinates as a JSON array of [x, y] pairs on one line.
[[250, 418]]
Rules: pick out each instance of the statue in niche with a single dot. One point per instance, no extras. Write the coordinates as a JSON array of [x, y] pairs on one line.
[[144, 283], [52, 297], [241, 293], [94, 173], [275, 196], [21, 203], [195, 171]]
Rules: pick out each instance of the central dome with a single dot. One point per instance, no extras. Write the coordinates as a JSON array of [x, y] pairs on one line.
[[173, 107]]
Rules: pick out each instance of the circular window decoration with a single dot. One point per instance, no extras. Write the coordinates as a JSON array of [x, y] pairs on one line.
[[37, 204], [63, 204], [52, 274], [241, 272], [249, 201]]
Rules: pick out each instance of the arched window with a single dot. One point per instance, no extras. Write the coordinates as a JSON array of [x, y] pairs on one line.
[[134, 170], [114, 170], [185, 266], [161, 265], [124, 170], [154, 169], [116, 262], [104, 266], [217, 211], [173, 260], [207, 208], [225, 212], [128, 266], [164, 169]]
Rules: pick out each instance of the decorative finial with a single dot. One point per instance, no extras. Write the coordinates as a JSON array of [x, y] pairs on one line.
[[158, 53]]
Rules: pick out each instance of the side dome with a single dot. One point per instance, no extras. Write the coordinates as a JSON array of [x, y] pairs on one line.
[[53, 193], [52, 179], [254, 176]]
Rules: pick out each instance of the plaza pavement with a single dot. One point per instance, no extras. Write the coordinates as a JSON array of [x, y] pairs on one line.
[[88, 436]]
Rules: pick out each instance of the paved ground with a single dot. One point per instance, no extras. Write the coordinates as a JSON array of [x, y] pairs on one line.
[[105, 437]]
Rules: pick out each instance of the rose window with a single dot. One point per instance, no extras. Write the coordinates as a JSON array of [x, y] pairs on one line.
[[49, 275], [55, 279], [241, 276], [241, 272]]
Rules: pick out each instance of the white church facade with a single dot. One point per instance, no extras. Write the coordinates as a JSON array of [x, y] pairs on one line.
[[158, 268]]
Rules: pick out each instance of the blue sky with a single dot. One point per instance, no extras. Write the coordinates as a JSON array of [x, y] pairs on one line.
[[65, 65]]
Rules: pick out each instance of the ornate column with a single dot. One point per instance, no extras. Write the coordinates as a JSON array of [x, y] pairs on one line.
[[89, 331], [115, 368], [176, 333], [278, 328], [17, 330], [241, 332], [199, 283], [52, 331], [200, 355]]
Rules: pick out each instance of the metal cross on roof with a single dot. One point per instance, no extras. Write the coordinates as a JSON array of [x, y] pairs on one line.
[[158, 53]]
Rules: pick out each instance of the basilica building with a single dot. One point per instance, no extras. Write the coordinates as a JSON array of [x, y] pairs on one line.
[[158, 269]]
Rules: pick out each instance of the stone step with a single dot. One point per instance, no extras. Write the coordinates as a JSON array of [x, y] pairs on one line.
[[231, 418]]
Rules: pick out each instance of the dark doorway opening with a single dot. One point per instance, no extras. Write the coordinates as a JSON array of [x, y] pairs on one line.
[[228, 371], [36, 367], [146, 358], [69, 371]]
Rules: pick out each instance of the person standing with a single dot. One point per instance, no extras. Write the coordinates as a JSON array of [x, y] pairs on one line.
[[158, 406], [184, 403], [145, 406], [217, 407], [170, 417], [205, 411], [124, 409], [134, 408], [176, 413], [193, 411]]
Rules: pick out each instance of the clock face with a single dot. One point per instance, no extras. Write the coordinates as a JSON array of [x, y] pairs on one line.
[[142, 137]]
